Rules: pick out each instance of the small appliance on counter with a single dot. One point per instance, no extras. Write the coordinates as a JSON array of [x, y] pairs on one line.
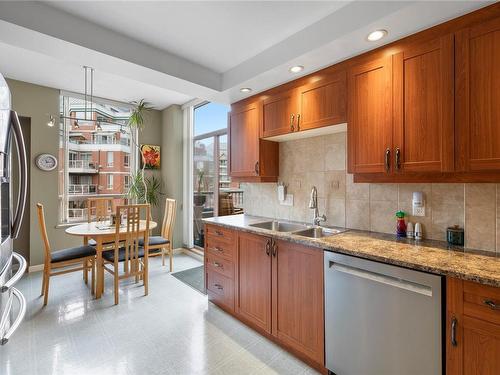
[[455, 235], [10, 131]]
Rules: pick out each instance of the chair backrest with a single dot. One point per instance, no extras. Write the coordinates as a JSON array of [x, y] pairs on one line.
[[43, 230], [99, 209], [137, 227], [167, 230]]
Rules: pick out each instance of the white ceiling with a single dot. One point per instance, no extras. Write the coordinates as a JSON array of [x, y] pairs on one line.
[[218, 35], [172, 52]]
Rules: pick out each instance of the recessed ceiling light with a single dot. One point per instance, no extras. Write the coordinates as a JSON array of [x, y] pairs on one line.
[[296, 69], [376, 35], [245, 89]]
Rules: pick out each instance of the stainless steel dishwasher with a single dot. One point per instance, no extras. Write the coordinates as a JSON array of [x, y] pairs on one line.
[[381, 319]]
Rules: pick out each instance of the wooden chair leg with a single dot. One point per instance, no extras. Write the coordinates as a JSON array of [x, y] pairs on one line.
[[163, 256], [46, 291], [145, 276], [43, 282], [92, 275], [171, 256], [116, 280], [86, 271]]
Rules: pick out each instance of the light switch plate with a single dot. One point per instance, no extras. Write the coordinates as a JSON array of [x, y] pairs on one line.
[[288, 200]]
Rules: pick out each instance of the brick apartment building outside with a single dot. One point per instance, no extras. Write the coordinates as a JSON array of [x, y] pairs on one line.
[[95, 158]]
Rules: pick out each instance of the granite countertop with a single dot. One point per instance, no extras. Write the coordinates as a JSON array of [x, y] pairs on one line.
[[427, 255]]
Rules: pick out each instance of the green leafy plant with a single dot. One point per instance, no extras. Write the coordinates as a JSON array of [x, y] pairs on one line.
[[145, 189], [150, 185]]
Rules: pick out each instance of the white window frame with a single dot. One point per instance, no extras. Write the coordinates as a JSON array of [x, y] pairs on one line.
[[110, 158], [126, 160], [109, 181]]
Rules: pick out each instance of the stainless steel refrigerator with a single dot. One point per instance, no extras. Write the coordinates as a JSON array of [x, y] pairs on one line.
[[12, 204]]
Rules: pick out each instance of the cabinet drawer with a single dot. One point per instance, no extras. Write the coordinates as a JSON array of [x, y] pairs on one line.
[[220, 248], [220, 289], [217, 264], [482, 301], [220, 233]]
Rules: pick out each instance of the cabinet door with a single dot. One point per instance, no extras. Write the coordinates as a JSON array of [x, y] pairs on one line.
[[253, 297], [322, 103], [279, 114], [423, 107], [244, 124], [481, 347], [298, 299], [369, 120], [477, 97]]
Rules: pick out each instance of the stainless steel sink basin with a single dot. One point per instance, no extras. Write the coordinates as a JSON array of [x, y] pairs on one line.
[[279, 226], [318, 232]]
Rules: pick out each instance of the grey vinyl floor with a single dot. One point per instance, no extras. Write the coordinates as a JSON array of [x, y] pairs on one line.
[[173, 330]]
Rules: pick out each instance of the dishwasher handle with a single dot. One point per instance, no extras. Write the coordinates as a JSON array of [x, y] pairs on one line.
[[17, 276], [382, 279]]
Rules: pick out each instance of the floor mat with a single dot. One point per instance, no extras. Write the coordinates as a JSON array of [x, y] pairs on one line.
[[194, 277]]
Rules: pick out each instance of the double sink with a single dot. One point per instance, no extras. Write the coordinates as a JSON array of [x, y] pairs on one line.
[[303, 230]]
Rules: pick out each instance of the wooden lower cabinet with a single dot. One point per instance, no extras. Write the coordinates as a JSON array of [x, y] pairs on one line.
[[253, 269], [473, 328], [298, 299], [278, 290]]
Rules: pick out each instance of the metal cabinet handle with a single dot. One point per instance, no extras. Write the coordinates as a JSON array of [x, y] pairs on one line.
[[454, 331], [298, 122], [274, 247], [20, 272], [219, 233], [397, 159], [268, 248], [20, 316], [291, 122], [257, 168], [218, 286], [219, 265], [387, 159], [492, 305], [217, 248]]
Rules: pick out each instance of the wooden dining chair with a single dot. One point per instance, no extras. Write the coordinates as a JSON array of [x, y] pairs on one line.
[[128, 249], [163, 243], [99, 209], [81, 256]]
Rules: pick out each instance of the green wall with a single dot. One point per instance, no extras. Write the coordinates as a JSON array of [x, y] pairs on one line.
[[172, 168], [37, 102]]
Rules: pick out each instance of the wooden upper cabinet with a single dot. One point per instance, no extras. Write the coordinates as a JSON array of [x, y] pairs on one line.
[[477, 97], [250, 158], [279, 114], [423, 107], [369, 116], [253, 295], [322, 103], [298, 300]]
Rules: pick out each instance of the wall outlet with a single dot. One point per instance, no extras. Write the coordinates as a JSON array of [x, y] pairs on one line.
[[418, 211], [288, 200]]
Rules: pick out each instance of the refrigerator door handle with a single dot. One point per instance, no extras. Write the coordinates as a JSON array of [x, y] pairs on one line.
[[20, 316], [20, 272], [23, 175]]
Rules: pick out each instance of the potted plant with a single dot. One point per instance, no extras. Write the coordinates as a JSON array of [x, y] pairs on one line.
[[199, 197], [142, 189]]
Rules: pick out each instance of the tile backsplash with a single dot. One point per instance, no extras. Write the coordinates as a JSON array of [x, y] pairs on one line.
[[321, 162]]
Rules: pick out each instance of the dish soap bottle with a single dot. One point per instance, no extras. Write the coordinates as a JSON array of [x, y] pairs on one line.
[[401, 224]]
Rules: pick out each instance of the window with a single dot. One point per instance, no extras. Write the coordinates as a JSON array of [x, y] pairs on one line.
[[110, 158], [214, 193], [109, 179], [85, 147]]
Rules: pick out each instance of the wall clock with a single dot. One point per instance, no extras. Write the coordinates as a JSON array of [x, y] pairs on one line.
[[46, 162]]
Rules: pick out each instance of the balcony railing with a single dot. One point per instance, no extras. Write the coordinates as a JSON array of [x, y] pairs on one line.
[[82, 164], [82, 189], [77, 214], [122, 141]]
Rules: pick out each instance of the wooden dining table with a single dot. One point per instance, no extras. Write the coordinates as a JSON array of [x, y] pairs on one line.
[[102, 232]]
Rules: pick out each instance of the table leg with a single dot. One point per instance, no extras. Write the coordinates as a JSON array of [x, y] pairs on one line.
[[100, 269]]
